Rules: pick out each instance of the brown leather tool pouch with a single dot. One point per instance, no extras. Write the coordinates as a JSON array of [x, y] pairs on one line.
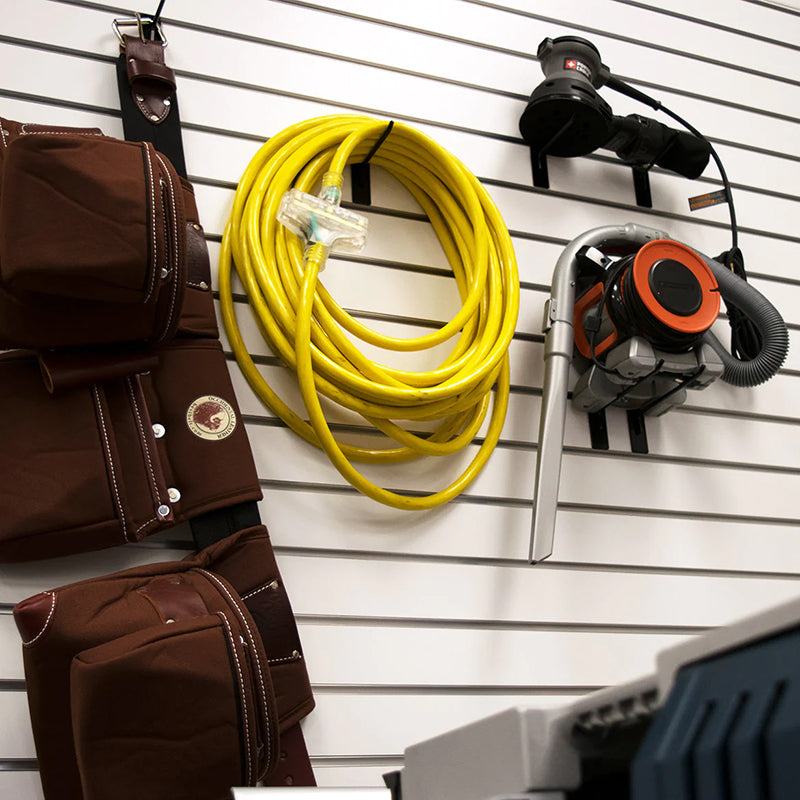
[[92, 241], [102, 464], [111, 427], [179, 679]]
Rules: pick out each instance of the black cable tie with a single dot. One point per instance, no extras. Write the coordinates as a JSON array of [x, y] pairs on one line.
[[381, 139]]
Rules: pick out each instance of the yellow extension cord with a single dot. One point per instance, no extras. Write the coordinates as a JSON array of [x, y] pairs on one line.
[[305, 326]]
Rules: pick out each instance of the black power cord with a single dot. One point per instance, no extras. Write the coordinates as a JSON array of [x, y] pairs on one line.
[[745, 339]]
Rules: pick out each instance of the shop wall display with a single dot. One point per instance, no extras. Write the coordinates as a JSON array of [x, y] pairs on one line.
[[415, 622]]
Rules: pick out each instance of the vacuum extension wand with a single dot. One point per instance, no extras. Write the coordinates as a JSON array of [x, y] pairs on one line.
[[559, 334]]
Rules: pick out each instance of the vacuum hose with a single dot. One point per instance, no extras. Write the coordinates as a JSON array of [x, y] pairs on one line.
[[768, 322], [313, 334]]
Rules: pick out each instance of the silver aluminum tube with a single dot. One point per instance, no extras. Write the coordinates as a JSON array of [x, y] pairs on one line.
[[558, 345]]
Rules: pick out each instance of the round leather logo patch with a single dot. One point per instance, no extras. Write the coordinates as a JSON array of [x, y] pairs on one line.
[[211, 418]]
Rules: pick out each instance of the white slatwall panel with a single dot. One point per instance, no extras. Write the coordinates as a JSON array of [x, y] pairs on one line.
[[415, 623]]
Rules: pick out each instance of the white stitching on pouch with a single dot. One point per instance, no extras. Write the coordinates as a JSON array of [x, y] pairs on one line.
[[152, 222], [175, 264], [46, 622], [56, 133], [140, 426], [110, 461], [272, 583], [255, 656], [244, 700], [145, 524], [298, 657]]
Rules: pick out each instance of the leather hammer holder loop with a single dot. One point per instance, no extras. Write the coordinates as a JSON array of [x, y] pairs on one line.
[[152, 81]]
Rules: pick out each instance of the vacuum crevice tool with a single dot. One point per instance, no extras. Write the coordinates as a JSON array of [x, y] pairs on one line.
[[558, 346]]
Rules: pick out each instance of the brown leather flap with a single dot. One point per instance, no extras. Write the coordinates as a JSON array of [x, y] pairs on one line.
[[67, 369]]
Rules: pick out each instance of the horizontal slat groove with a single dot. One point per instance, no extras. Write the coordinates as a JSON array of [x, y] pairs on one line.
[[509, 444], [406, 689], [774, 7], [18, 765], [654, 212], [357, 761], [501, 625], [710, 24], [446, 691], [674, 51], [549, 564], [332, 488]]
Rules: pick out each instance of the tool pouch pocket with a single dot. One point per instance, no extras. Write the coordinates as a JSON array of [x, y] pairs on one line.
[[175, 705], [159, 681], [92, 241]]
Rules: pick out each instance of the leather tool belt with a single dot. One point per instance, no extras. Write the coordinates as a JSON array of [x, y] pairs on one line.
[[171, 680], [117, 414]]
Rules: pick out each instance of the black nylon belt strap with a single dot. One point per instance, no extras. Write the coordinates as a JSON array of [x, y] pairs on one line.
[[148, 99], [215, 525]]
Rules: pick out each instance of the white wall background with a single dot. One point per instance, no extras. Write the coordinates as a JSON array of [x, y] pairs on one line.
[[414, 623]]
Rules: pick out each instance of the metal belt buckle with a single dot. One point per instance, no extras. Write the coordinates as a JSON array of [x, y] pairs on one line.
[[139, 20]]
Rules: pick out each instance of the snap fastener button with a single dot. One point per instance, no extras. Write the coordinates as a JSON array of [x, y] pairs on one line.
[[162, 511], [159, 430], [164, 273], [174, 494]]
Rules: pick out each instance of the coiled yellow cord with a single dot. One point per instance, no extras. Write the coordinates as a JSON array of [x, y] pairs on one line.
[[306, 327]]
